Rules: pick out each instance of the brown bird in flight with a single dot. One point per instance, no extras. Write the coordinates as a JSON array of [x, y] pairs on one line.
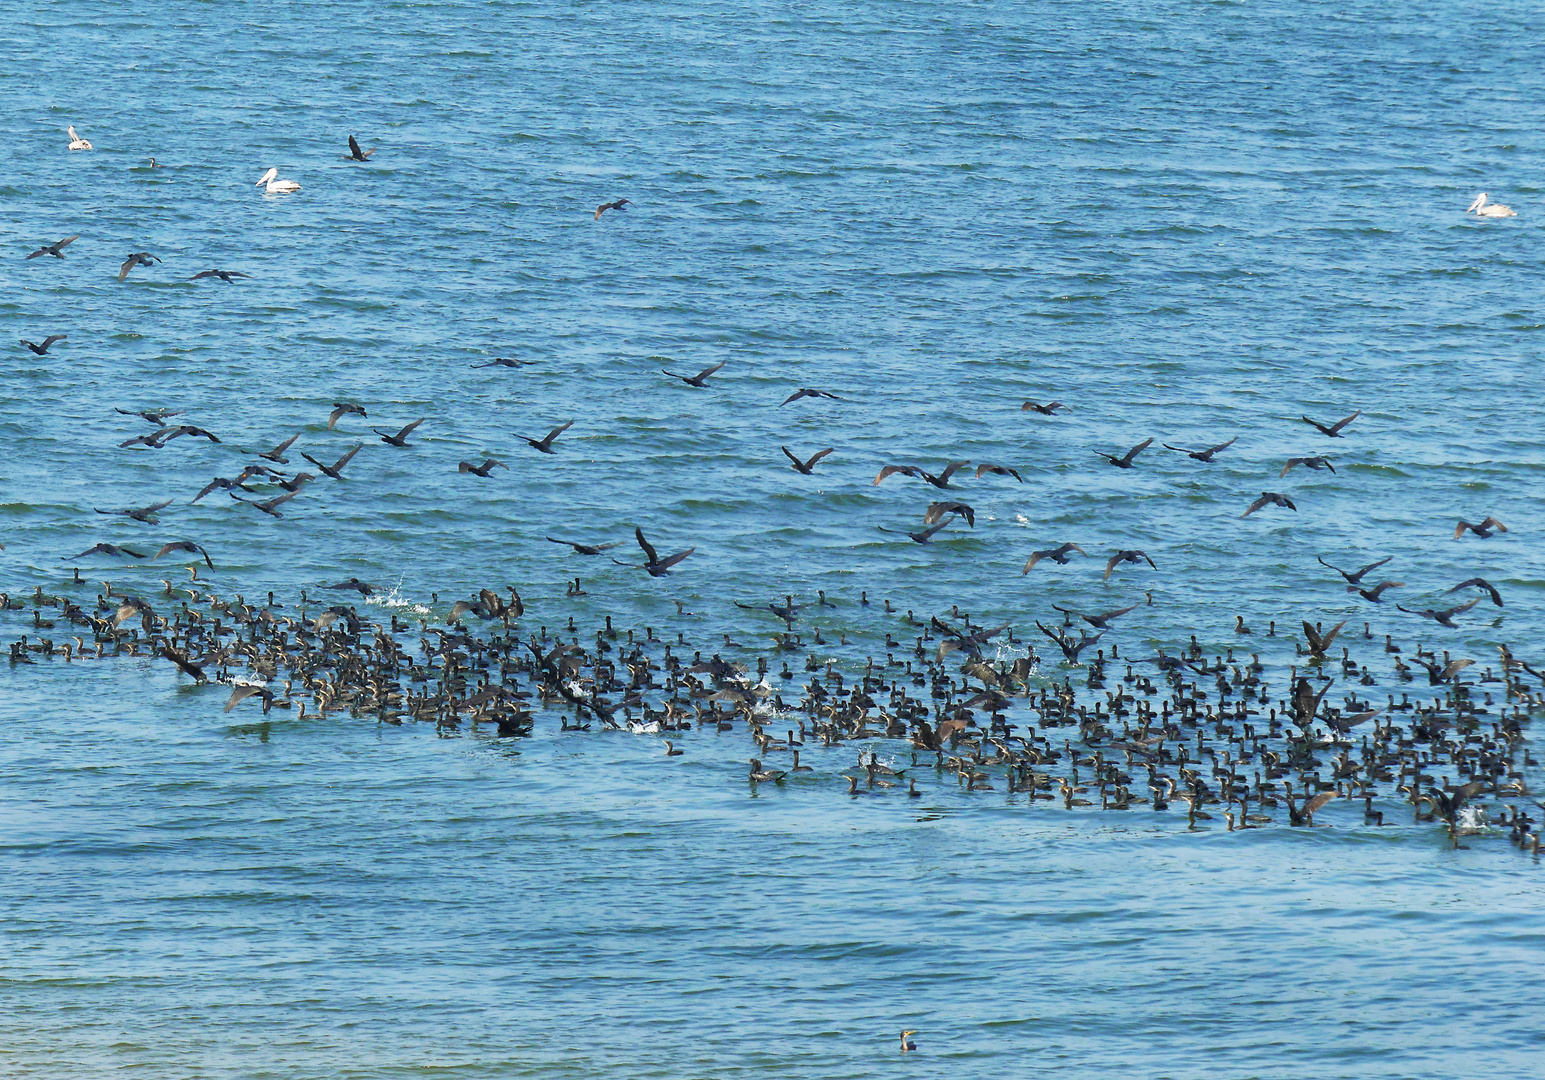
[[620, 204]]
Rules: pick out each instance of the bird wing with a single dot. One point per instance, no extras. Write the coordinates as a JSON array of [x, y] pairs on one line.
[[347, 457], [51, 338], [1222, 446], [332, 417], [559, 430], [354, 147], [1256, 505], [128, 264], [1111, 564], [1371, 566], [951, 469], [1335, 428], [240, 693], [1097, 619], [649, 551], [1035, 557], [157, 506], [1138, 449], [1319, 800], [817, 457], [67, 241], [1289, 503], [282, 447], [403, 434], [795, 396], [1291, 462], [204, 274], [676, 558], [891, 470], [1493, 523], [1459, 530], [709, 371], [1460, 610]]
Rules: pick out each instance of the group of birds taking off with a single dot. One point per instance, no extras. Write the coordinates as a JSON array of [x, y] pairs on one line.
[[973, 704]]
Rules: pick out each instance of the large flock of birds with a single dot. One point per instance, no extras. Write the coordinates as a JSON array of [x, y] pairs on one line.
[[1228, 736]]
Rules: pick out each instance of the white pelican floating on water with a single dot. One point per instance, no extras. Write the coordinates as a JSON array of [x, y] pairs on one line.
[[76, 142], [275, 185], [1485, 209]]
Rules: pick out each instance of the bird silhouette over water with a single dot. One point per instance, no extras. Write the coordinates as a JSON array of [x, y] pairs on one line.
[[184, 545], [1333, 430], [276, 455], [42, 350], [997, 470], [1484, 530], [698, 380], [270, 506], [355, 153], [807, 392], [335, 469], [1058, 555], [938, 510], [619, 204], [940, 481], [1132, 556], [1203, 455], [925, 535], [145, 514], [1270, 498], [805, 467], [587, 549], [656, 566], [136, 258], [545, 443], [223, 275], [1355, 578], [482, 470], [105, 549], [401, 438], [1049, 409], [1445, 616], [505, 361], [56, 249], [342, 409], [1125, 460], [1480, 583], [1376, 594], [155, 416], [1317, 462]]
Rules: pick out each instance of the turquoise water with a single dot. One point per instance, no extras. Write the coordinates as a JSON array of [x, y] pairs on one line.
[[1192, 221]]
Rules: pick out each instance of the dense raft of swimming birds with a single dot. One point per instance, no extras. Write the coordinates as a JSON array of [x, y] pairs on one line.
[[1274, 730]]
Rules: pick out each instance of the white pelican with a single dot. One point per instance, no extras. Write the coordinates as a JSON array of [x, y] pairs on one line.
[[76, 142], [1485, 209], [275, 185]]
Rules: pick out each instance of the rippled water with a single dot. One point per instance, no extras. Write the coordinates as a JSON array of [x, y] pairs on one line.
[[1190, 222]]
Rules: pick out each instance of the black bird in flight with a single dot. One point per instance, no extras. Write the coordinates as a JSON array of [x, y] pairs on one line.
[[136, 258], [1483, 530], [620, 204], [105, 549], [1203, 455], [656, 566], [42, 350], [1334, 430], [223, 275], [804, 392], [698, 379], [355, 153], [1356, 578], [806, 467], [401, 438], [1058, 555], [56, 250], [586, 549], [545, 443], [1044, 410], [1125, 460], [342, 409], [481, 470], [1269, 498], [335, 469], [184, 545]]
